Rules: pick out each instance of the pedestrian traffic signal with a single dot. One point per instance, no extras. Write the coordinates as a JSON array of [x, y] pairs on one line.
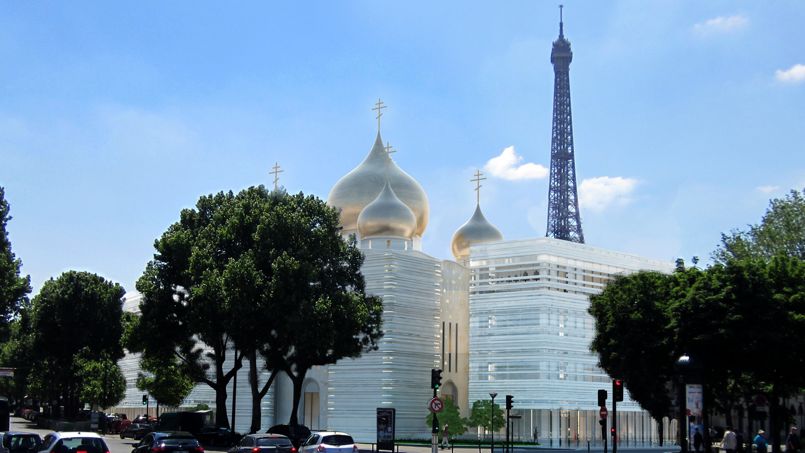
[[145, 400], [435, 378], [617, 390], [509, 402], [602, 397], [602, 422], [612, 431]]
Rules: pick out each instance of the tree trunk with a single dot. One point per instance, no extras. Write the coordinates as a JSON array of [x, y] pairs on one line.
[[221, 418], [774, 422], [659, 430], [257, 393], [297, 395]]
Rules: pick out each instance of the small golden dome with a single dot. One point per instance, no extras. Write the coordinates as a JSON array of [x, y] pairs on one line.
[[361, 186], [386, 216], [477, 230]]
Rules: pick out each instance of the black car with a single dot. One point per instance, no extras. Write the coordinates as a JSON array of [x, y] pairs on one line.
[[263, 443], [168, 442], [20, 442], [217, 437], [136, 431]]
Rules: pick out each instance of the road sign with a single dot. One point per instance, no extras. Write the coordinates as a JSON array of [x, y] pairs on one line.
[[603, 412], [435, 404]]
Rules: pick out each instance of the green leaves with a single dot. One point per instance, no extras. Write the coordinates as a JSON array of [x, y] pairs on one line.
[[451, 416], [485, 415], [13, 288]]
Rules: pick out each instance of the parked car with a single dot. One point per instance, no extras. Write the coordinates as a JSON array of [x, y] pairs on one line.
[[20, 442], [263, 443], [136, 430], [168, 442], [329, 442], [300, 434], [218, 437], [74, 442]]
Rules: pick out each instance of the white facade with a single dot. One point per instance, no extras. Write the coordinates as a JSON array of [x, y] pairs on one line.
[[530, 336]]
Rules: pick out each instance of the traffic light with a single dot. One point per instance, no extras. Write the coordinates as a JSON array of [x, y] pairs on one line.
[[602, 422], [602, 397], [145, 400], [435, 378], [509, 402], [612, 431], [617, 390]]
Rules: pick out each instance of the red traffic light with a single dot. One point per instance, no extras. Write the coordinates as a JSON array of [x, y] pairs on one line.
[[617, 389]]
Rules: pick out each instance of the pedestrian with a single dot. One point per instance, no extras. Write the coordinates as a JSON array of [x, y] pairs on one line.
[[761, 444], [730, 441], [446, 436], [697, 440], [792, 441]]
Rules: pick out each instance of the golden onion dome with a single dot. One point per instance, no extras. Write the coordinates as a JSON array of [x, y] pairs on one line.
[[361, 186], [386, 216], [477, 230]]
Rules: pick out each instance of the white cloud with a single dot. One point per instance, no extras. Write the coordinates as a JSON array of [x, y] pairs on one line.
[[597, 194], [721, 24], [508, 166], [768, 189], [794, 74]]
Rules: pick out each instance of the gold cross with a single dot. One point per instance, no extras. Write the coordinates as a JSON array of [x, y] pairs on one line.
[[276, 172], [477, 180], [379, 106], [389, 149]]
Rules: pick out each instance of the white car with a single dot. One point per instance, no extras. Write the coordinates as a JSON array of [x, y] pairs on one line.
[[329, 442], [74, 442]]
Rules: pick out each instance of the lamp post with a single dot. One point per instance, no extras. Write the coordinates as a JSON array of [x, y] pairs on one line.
[[682, 365], [492, 419]]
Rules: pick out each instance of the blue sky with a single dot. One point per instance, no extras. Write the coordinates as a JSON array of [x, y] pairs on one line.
[[688, 116]]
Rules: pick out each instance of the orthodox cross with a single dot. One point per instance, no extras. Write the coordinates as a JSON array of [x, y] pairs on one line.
[[276, 172], [379, 106], [477, 180], [389, 149]]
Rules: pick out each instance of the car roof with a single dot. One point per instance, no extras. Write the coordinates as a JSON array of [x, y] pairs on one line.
[[265, 435], [19, 433], [173, 433], [77, 434], [330, 433]]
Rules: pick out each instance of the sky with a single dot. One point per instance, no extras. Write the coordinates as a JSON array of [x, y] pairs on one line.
[[688, 116]]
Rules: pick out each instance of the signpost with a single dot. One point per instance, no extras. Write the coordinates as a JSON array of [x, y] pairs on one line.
[[435, 405]]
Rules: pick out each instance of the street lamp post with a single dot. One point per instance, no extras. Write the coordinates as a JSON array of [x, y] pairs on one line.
[[682, 365], [492, 417]]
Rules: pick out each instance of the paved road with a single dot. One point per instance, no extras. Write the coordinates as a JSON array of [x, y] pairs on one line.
[[118, 445]]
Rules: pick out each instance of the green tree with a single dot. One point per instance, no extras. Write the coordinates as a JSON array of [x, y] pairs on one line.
[[76, 313], [451, 416], [102, 382], [316, 284], [17, 352], [781, 231], [185, 314], [165, 380], [13, 288], [633, 340], [482, 414]]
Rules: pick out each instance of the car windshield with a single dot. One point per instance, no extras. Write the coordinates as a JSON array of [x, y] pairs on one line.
[[273, 442], [337, 440], [82, 445], [23, 442], [176, 441]]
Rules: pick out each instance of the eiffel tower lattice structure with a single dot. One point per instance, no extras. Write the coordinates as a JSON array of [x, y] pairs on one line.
[[564, 221]]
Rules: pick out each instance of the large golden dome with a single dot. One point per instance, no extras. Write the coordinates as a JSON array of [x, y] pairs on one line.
[[477, 230], [361, 186], [386, 216]]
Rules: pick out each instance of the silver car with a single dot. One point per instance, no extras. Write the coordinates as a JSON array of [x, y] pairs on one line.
[[329, 442]]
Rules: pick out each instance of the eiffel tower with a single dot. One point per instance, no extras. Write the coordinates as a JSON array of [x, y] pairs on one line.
[[563, 202]]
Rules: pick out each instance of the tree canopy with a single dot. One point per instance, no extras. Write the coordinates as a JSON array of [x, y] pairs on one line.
[[449, 415], [75, 317], [264, 273], [780, 232], [13, 287], [487, 416]]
